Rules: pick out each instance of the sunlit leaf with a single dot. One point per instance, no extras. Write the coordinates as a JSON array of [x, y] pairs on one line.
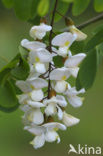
[[98, 5], [43, 7]]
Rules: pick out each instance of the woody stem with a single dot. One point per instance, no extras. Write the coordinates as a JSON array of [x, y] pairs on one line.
[[50, 45]]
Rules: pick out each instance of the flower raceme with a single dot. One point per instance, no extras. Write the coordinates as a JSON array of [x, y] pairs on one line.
[[46, 92]]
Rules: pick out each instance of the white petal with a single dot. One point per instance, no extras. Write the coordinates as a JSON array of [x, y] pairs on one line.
[[75, 60], [80, 35], [37, 95], [35, 116], [35, 130], [60, 113], [44, 55], [24, 86], [62, 39], [61, 100], [40, 68], [72, 91], [35, 104], [69, 120], [24, 108], [60, 74], [54, 125], [60, 86], [75, 101], [63, 51], [74, 71], [32, 57], [51, 136], [38, 82], [50, 109], [32, 45], [23, 98], [38, 141], [39, 31]]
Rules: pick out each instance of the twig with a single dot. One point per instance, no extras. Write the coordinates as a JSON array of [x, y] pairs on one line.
[[50, 45], [90, 21], [93, 20]]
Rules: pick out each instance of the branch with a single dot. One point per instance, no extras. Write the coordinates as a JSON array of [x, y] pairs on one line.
[[93, 20], [50, 45], [81, 26]]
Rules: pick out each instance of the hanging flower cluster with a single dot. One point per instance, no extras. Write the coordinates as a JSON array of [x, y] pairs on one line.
[[46, 92]]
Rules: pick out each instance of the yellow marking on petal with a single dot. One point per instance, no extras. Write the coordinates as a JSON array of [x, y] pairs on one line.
[[35, 30], [55, 129], [64, 77], [32, 87], [37, 59], [67, 43]]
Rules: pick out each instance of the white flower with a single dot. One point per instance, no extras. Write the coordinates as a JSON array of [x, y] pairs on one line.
[[32, 89], [64, 41], [69, 120], [80, 35], [31, 84], [46, 132], [32, 45], [34, 116], [72, 97], [39, 59], [60, 75], [38, 32], [53, 106], [72, 63]]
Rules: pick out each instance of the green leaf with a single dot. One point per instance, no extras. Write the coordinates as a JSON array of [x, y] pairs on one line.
[[87, 72], [58, 61], [35, 20], [17, 90], [23, 51], [23, 9], [8, 3], [79, 6], [96, 40], [100, 49], [5, 72], [62, 8], [21, 71], [98, 5], [8, 100], [68, 1], [34, 8], [77, 47], [43, 7]]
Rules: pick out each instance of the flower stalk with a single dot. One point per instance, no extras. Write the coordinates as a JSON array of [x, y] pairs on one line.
[[50, 45]]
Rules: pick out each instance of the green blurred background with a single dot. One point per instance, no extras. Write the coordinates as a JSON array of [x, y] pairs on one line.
[[14, 141]]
